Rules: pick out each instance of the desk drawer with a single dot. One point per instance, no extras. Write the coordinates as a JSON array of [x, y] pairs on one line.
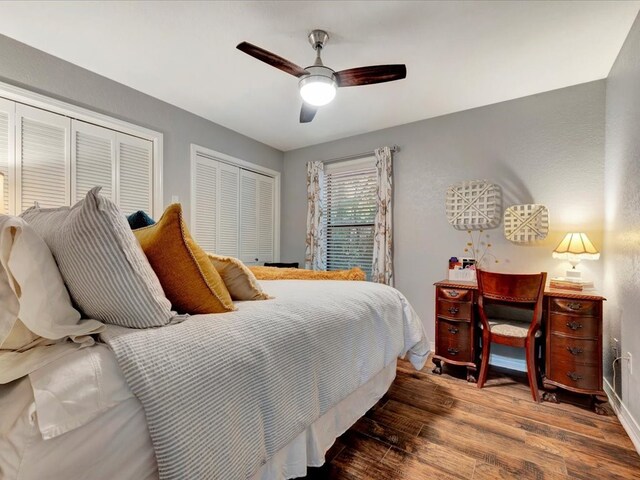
[[573, 351], [586, 377], [457, 294], [579, 307], [456, 310], [573, 325], [454, 340]]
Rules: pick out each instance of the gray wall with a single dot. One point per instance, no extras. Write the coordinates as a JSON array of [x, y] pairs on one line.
[[622, 218], [547, 148], [34, 70]]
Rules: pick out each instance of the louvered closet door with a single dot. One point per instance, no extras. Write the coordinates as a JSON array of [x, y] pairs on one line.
[[43, 167], [228, 217], [93, 160], [249, 217], [7, 146], [266, 187], [204, 202], [134, 174]]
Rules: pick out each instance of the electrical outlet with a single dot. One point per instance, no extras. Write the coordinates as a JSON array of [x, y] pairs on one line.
[[629, 363]]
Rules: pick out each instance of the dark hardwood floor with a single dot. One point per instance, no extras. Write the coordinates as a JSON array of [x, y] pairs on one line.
[[440, 427]]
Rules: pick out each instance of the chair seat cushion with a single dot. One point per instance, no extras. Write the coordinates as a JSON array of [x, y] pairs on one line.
[[510, 328]]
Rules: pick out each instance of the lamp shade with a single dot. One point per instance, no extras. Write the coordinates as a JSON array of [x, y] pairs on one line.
[[576, 247]]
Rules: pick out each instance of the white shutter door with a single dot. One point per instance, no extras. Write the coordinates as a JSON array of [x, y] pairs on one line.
[[7, 146], [43, 166], [134, 174], [204, 202], [248, 217], [266, 219], [228, 213], [93, 159]]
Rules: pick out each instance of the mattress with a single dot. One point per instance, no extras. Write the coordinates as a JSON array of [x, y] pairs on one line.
[[77, 419]]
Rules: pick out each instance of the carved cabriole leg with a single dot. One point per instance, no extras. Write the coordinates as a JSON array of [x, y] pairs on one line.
[[550, 396], [471, 375], [484, 364], [438, 366]]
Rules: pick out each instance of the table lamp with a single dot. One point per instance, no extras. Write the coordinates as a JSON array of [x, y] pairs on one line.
[[575, 247]]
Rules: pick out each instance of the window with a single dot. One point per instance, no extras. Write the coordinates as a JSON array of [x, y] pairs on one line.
[[234, 207], [349, 192]]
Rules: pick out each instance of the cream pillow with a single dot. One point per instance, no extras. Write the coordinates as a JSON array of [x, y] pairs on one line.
[[36, 308], [240, 281]]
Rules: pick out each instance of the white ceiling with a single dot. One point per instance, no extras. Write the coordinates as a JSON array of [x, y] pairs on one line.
[[459, 55]]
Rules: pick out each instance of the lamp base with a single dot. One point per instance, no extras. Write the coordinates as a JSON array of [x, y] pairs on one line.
[[574, 275]]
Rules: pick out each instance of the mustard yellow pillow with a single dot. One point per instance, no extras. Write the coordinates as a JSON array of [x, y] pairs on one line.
[[239, 280], [190, 281]]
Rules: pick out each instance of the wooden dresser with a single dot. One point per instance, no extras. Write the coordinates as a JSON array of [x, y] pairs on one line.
[[572, 326]]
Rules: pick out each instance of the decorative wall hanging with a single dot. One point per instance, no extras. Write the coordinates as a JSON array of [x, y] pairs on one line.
[[473, 205], [526, 223]]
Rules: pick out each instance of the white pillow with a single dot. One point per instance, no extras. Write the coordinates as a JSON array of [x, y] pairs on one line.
[[35, 305]]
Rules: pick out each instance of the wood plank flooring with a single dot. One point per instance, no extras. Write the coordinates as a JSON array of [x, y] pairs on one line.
[[440, 427]]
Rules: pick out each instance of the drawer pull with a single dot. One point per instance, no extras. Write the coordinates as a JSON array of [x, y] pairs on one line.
[[573, 325], [574, 376], [453, 310], [453, 351], [574, 305], [453, 330], [574, 350], [453, 293]]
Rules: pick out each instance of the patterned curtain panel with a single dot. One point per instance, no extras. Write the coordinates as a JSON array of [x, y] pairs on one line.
[[382, 269], [315, 254]]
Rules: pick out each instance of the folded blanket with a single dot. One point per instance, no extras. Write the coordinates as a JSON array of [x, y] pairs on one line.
[[274, 273]]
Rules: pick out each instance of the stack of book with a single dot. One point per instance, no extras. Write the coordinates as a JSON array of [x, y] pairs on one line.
[[576, 285]]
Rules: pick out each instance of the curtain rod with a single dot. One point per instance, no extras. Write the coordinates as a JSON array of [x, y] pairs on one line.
[[394, 149]]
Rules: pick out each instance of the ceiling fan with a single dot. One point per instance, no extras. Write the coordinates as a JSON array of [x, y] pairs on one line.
[[318, 83]]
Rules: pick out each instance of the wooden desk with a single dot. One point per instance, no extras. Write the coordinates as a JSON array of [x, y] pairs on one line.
[[572, 328]]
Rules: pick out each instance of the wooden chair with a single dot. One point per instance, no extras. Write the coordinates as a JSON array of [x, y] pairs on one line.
[[510, 309]]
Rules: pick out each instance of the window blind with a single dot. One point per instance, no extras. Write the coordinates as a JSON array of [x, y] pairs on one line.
[[350, 210]]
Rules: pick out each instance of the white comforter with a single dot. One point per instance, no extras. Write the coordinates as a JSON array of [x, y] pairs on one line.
[[223, 393]]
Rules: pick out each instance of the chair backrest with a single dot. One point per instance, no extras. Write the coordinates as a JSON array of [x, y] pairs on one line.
[[518, 290]]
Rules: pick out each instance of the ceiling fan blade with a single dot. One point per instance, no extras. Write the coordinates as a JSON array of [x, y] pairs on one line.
[[271, 59], [307, 112], [369, 75]]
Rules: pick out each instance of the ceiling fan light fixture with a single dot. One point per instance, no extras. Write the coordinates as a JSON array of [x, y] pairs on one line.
[[319, 87]]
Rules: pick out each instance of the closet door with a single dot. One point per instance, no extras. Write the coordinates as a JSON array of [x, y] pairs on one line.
[[43, 170], [249, 217], [134, 174], [205, 177], [7, 148], [93, 160], [266, 217], [228, 214]]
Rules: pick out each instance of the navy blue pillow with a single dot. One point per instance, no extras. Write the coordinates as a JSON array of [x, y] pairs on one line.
[[139, 219]]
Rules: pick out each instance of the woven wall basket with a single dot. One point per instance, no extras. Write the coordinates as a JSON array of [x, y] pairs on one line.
[[473, 205], [526, 223]]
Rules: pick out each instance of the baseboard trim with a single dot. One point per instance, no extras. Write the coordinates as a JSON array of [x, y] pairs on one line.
[[624, 415]]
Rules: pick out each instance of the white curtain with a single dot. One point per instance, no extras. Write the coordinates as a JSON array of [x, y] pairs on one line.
[[382, 269], [315, 251]]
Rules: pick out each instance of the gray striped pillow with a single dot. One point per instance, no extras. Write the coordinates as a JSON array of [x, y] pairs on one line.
[[102, 264]]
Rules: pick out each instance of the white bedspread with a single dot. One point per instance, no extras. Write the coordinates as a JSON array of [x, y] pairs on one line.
[[223, 393]]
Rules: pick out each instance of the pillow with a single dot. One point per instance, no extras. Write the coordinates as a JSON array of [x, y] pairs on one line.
[[36, 308], [139, 219], [238, 279], [189, 279], [107, 274]]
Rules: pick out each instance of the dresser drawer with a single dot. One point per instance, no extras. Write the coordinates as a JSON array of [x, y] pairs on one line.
[[579, 307], [565, 350], [454, 340], [571, 374], [575, 326], [456, 310], [457, 294]]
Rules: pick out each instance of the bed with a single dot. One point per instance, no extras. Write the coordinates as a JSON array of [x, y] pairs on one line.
[[261, 392]]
